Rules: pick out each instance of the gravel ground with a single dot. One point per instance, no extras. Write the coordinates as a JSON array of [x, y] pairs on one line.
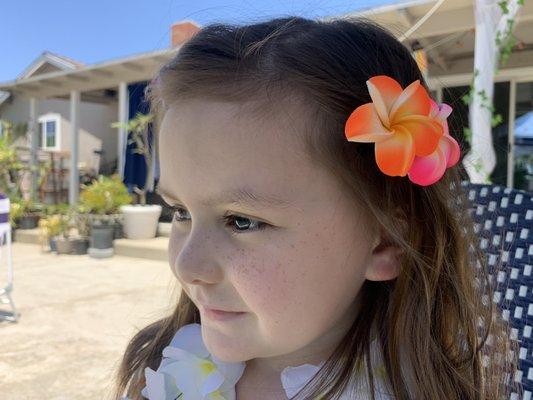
[[77, 315]]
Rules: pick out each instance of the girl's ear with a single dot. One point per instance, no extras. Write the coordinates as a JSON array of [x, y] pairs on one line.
[[385, 260]]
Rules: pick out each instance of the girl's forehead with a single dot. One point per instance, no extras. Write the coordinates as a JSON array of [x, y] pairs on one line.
[[221, 132], [209, 146]]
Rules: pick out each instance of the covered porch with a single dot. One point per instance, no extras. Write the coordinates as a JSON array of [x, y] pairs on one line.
[[442, 36], [112, 82]]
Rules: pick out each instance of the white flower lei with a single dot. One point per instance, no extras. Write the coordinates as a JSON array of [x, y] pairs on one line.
[[189, 372]]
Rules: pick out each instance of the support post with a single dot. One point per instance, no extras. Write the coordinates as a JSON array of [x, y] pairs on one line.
[[34, 143], [74, 184]]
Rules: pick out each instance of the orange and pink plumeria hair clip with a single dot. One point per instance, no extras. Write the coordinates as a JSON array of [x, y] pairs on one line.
[[408, 128]]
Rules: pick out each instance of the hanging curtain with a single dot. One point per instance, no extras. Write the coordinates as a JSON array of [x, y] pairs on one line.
[[135, 170]]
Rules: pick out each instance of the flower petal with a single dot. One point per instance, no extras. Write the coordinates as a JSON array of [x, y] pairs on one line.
[[445, 111], [364, 125], [189, 338], [293, 379], [394, 156], [216, 395], [451, 150], [413, 100], [186, 377], [428, 170], [426, 133], [434, 108], [174, 353], [384, 91], [232, 371], [158, 386], [211, 383]]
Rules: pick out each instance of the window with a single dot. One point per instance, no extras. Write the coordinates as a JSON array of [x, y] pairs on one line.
[[49, 129]]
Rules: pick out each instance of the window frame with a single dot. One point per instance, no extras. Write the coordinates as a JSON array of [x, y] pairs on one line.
[[50, 117]]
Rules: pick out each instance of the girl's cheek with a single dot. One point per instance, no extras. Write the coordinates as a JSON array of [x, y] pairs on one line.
[[262, 282]]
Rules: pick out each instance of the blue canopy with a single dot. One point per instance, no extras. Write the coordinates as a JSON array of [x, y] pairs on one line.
[[523, 126]]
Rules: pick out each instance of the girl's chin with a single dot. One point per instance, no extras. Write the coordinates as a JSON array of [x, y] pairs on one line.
[[225, 348]]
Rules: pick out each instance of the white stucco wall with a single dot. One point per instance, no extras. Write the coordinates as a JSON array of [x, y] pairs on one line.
[[94, 122]]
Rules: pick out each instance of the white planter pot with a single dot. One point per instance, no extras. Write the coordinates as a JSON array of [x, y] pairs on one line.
[[140, 222]]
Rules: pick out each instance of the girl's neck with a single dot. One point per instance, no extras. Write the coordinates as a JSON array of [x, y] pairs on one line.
[[262, 376]]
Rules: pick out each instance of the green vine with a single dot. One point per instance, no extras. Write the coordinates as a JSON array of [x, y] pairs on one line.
[[507, 42]]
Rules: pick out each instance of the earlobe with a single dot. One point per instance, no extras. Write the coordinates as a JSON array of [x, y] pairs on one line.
[[385, 261]]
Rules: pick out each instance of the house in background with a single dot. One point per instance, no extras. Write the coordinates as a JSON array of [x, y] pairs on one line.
[[97, 110], [70, 106]]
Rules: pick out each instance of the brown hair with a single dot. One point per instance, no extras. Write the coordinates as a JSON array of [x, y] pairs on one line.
[[435, 319]]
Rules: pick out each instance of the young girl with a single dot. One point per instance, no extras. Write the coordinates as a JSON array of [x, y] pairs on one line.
[[318, 238]]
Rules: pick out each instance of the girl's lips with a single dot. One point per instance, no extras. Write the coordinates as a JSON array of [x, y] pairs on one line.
[[218, 315]]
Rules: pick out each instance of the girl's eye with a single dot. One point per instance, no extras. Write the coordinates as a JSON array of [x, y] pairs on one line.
[[177, 214], [244, 224], [238, 223]]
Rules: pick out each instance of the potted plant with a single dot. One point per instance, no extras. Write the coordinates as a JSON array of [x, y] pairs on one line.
[[141, 219], [52, 228], [15, 212], [28, 214], [9, 160], [101, 200], [80, 241]]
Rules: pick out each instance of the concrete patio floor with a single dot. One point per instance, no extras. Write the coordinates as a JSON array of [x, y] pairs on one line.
[[77, 315]]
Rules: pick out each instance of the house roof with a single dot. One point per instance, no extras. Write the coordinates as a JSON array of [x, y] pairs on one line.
[[48, 62], [448, 35], [104, 75]]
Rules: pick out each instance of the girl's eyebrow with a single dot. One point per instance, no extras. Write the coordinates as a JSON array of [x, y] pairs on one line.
[[243, 196]]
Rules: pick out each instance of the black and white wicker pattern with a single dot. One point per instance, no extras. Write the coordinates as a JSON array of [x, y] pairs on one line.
[[503, 220]]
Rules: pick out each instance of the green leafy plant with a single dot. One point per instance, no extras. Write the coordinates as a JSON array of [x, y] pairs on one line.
[[104, 195], [16, 211], [61, 208], [139, 126], [53, 225], [9, 167]]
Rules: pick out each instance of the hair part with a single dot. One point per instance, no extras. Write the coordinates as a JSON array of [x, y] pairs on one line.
[[433, 321]]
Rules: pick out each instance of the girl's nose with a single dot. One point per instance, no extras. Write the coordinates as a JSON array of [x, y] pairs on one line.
[[197, 261]]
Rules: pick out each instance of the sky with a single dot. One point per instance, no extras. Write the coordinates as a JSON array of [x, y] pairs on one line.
[[93, 31]]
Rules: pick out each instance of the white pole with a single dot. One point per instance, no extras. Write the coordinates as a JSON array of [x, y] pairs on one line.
[[74, 185], [481, 160], [122, 133], [34, 141]]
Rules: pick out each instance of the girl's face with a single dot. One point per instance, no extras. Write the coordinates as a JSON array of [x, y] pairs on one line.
[[261, 230]]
